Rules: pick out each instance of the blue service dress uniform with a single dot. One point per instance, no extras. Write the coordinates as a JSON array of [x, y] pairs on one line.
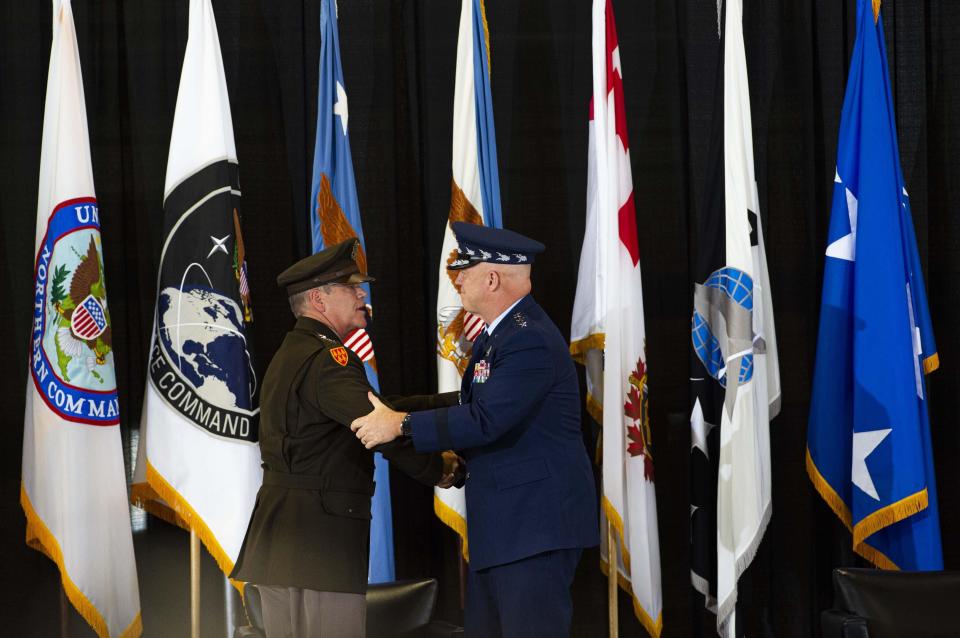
[[530, 492]]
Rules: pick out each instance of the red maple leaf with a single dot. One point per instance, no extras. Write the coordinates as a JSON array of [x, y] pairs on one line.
[[648, 467], [633, 408], [636, 445], [640, 370]]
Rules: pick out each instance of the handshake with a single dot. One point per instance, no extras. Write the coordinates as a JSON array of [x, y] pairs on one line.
[[382, 425]]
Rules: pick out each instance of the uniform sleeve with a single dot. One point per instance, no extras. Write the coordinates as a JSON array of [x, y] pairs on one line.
[[423, 468], [423, 401], [521, 377], [341, 391]]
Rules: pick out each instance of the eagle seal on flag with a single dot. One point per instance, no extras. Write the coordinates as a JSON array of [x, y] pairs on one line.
[[71, 362]]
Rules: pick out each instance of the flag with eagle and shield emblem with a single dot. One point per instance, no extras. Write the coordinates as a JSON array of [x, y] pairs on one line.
[[335, 217], [474, 198], [73, 489]]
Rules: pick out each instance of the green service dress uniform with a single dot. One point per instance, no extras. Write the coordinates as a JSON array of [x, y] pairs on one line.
[[310, 527]]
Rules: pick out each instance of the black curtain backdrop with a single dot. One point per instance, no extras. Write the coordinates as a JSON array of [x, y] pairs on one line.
[[399, 58]]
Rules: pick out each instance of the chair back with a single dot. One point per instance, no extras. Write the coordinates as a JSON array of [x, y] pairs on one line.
[[400, 607], [897, 604]]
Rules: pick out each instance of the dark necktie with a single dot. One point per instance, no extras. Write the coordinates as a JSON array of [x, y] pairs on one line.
[[479, 344]]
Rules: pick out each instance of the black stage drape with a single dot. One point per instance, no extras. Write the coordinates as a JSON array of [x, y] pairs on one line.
[[398, 58]]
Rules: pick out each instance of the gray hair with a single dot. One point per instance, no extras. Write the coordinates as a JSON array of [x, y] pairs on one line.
[[298, 301]]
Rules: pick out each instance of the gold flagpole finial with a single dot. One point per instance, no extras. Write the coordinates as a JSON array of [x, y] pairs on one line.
[[876, 10]]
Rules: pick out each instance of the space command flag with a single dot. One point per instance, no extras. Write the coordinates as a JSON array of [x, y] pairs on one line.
[[73, 489], [735, 373], [198, 460], [868, 440]]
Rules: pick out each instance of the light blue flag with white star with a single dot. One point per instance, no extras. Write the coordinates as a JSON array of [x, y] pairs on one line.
[[334, 217], [868, 441]]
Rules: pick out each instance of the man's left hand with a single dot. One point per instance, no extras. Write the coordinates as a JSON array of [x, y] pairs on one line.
[[381, 426]]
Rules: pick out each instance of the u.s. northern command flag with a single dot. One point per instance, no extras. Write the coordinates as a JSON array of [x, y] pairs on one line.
[[73, 489], [734, 374], [474, 198], [198, 450], [607, 333], [868, 440], [335, 217]]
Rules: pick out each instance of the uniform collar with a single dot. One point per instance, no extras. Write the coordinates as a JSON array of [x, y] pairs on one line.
[[317, 327], [493, 325]]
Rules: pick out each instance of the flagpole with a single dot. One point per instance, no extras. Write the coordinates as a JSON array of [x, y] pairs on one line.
[[612, 582], [194, 584], [229, 605], [64, 614], [463, 572]]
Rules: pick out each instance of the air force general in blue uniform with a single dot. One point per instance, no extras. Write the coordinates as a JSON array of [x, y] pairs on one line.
[[530, 491]]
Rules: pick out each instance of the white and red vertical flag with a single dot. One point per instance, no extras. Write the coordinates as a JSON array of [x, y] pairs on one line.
[[608, 337], [74, 491]]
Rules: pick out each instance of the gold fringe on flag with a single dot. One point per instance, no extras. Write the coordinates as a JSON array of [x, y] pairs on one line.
[[840, 508], [451, 518], [179, 512], [578, 349], [653, 627], [41, 539]]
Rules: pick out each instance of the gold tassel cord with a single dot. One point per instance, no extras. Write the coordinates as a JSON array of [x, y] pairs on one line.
[[876, 10]]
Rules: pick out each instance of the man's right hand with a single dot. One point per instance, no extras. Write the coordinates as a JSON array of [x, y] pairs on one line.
[[454, 470]]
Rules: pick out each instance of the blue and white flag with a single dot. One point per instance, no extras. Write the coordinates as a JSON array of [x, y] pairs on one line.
[[868, 441], [474, 198], [335, 216]]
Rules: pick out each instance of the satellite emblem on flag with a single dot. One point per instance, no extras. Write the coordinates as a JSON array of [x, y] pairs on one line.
[[728, 295], [72, 347], [201, 362]]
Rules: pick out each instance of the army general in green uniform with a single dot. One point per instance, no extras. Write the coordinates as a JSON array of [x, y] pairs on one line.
[[307, 544]]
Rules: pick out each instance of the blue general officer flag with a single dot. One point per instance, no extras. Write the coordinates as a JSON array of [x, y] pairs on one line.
[[335, 216], [868, 441]]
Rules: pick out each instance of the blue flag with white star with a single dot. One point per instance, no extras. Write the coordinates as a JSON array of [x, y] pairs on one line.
[[868, 441], [334, 217]]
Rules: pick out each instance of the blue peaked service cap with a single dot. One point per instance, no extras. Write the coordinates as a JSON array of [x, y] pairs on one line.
[[479, 244]]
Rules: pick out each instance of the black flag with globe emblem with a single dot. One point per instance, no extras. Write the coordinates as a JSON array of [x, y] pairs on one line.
[[200, 362], [735, 379], [198, 462]]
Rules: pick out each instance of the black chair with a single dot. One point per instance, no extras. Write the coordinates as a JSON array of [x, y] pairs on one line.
[[873, 603], [400, 609]]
